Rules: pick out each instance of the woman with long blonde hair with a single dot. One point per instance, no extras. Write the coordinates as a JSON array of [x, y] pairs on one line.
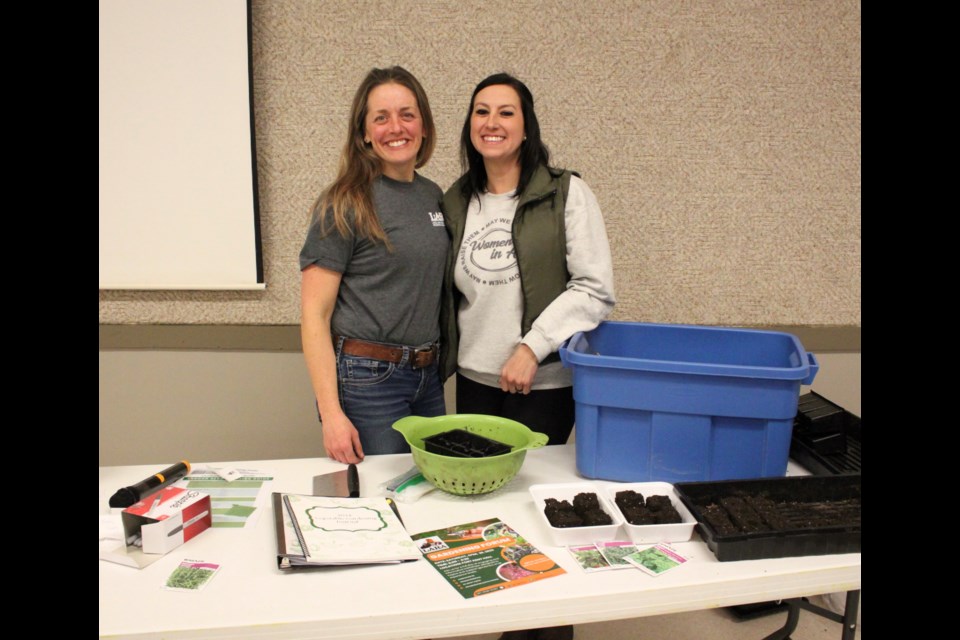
[[372, 269]]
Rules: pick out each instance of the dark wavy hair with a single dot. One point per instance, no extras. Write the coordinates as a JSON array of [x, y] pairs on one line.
[[533, 152]]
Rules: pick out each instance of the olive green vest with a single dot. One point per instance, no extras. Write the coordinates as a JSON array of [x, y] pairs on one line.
[[539, 240]]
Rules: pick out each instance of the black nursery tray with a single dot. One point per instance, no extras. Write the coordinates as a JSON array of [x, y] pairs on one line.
[[802, 516], [826, 437], [463, 444]]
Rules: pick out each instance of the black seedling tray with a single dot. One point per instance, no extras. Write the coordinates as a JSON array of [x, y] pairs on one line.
[[814, 515], [463, 444], [827, 439], [818, 416]]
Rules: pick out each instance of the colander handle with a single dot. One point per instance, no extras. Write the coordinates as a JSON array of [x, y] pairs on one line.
[[538, 440], [403, 425]]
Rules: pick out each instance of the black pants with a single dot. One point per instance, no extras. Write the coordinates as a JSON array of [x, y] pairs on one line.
[[550, 411]]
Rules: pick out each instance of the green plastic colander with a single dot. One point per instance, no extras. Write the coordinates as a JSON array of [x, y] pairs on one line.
[[469, 476]]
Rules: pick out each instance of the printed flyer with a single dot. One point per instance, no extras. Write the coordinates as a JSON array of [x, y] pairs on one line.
[[484, 557]]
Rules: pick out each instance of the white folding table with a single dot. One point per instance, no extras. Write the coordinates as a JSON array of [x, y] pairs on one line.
[[251, 598]]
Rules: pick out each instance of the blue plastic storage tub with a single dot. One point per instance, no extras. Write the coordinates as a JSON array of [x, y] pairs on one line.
[[684, 403]]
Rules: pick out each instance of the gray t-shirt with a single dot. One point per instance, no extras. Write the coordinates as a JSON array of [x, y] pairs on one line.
[[388, 295]]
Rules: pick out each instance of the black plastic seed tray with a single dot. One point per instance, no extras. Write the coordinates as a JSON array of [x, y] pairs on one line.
[[818, 415], [821, 425], [463, 444], [826, 439], [776, 517]]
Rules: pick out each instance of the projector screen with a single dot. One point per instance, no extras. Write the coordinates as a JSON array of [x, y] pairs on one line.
[[178, 191]]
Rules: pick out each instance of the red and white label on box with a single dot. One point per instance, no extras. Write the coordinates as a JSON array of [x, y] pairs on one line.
[[167, 519]]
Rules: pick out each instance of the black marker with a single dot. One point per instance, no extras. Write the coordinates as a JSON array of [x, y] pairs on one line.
[[130, 495]]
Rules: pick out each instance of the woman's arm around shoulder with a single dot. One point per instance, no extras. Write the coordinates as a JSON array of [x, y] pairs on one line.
[[318, 296]]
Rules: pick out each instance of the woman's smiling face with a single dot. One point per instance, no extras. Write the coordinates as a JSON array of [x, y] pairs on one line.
[[393, 128], [496, 124]]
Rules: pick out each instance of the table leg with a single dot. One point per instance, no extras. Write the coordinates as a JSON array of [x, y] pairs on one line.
[[848, 620], [850, 611], [790, 624]]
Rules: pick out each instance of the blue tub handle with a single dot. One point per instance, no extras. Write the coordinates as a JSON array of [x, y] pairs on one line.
[[814, 367], [571, 344]]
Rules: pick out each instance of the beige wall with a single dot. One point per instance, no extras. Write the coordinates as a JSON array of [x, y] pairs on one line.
[[722, 140], [161, 406]]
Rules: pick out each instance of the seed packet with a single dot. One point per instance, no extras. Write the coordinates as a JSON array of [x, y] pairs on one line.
[[656, 559], [589, 558], [191, 575], [615, 552]]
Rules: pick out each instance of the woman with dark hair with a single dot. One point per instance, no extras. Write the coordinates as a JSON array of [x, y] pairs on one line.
[[530, 265], [372, 268]]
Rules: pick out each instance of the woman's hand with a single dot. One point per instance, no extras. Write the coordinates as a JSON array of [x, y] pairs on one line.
[[341, 439], [520, 369]]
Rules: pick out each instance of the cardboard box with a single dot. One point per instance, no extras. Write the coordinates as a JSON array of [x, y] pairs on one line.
[[167, 519]]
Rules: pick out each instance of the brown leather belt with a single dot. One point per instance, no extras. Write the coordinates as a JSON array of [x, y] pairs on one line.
[[416, 357]]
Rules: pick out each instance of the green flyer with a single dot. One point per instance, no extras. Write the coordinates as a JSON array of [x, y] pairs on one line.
[[484, 557]]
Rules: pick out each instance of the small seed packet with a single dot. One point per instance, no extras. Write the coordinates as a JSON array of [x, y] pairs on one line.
[[191, 575], [656, 559], [589, 558], [615, 552]]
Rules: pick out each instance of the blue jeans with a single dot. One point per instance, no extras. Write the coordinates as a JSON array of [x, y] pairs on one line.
[[374, 394]]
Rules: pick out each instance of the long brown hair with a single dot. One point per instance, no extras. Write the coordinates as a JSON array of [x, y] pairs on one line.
[[360, 166]]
